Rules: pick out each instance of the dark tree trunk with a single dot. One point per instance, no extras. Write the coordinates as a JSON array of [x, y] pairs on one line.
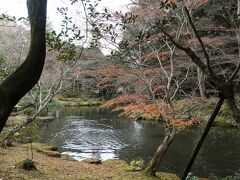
[[151, 168], [202, 138], [227, 91], [27, 75]]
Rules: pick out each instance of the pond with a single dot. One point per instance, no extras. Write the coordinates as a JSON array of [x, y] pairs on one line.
[[85, 132]]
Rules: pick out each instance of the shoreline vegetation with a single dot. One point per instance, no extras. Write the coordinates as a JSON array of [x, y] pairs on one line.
[[201, 111], [78, 101]]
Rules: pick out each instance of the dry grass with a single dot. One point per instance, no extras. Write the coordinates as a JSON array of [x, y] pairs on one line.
[[59, 168]]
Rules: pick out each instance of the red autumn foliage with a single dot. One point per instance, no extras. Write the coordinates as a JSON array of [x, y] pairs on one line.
[[182, 124], [137, 105], [133, 105], [123, 100]]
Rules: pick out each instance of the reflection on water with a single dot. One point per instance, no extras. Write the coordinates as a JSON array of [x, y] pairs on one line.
[[90, 138], [88, 132]]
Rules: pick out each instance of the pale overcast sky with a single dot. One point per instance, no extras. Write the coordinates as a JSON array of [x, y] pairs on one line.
[[18, 7]]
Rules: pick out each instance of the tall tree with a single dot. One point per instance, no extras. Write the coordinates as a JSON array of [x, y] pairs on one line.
[[27, 75], [223, 82]]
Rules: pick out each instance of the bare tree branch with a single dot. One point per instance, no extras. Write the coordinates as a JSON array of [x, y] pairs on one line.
[[194, 57], [200, 40]]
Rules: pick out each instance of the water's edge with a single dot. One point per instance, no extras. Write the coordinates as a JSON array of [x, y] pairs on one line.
[[88, 132]]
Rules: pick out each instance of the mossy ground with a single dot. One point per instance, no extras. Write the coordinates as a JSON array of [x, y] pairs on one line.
[[53, 168], [43, 148], [79, 101]]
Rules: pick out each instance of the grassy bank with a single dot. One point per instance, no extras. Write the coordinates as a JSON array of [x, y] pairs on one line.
[[78, 101], [49, 167]]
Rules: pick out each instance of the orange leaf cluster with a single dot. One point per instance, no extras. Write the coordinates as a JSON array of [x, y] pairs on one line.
[[141, 108], [182, 124], [135, 105], [121, 100], [132, 105]]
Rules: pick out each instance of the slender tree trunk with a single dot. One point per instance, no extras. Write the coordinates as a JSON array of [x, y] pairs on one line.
[[151, 168], [201, 84], [27, 75], [168, 100], [238, 8], [202, 138]]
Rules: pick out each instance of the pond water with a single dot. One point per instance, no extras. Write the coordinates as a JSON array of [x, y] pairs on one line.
[[85, 132]]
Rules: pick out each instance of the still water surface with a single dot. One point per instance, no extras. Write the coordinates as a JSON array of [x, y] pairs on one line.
[[88, 132]]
